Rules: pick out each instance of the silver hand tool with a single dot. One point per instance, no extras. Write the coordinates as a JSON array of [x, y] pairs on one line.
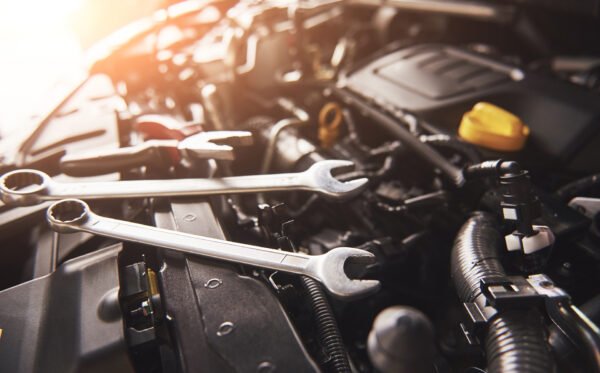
[[29, 187], [72, 215], [204, 145], [157, 126]]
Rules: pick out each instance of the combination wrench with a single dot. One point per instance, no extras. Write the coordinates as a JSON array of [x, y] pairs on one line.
[[72, 215], [203, 145], [30, 187]]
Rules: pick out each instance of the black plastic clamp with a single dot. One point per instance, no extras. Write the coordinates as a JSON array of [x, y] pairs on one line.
[[509, 292]]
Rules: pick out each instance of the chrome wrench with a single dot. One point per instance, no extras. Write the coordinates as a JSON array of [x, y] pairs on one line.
[[30, 187], [72, 215], [203, 145]]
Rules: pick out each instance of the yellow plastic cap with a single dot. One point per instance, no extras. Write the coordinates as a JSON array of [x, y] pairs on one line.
[[492, 127]]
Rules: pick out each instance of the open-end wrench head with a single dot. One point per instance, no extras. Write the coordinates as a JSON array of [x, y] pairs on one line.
[[65, 215], [156, 126], [320, 178], [330, 269], [233, 138], [195, 149], [214, 144], [23, 187]]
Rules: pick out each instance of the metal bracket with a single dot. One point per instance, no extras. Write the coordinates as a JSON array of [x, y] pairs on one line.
[[587, 206]]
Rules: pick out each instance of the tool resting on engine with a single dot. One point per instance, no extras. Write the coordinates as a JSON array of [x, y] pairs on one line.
[[72, 215], [30, 187], [205, 145]]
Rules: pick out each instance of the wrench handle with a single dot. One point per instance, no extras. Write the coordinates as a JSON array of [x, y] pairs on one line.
[[197, 245], [173, 188], [75, 216], [116, 160], [268, 183]]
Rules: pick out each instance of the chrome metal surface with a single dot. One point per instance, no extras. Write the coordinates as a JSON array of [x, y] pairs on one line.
[[72, 215], [28, 187]]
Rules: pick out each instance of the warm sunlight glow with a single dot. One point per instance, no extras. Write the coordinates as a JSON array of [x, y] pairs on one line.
[[37, 13], [39, 49], [43, 43]]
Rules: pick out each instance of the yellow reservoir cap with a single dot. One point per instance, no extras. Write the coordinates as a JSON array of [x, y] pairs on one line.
[[490, 126]]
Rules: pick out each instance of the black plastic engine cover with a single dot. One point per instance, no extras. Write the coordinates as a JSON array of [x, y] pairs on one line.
[[68, 321], [222, 321], [440, 83]]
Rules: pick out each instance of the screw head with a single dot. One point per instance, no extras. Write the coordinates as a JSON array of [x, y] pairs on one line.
[[265, 367], [225, 328]]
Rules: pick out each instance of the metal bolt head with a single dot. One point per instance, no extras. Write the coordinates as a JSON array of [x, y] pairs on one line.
[[225, 328], [265, 367], [213, 283]]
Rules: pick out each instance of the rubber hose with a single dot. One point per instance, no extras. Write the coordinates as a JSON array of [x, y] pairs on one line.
[[515, 340], [577, 187], [391, 125], [561, 345], [329, 333], [591, 308], [455, 145], [475, 256]]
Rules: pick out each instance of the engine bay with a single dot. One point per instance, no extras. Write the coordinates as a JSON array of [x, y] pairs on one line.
[[314, 186]]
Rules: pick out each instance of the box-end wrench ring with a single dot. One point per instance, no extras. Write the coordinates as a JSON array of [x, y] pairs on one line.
[[30, 187], [72, 215]]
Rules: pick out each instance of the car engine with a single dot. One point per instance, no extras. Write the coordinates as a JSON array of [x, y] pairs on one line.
[[314, 186]]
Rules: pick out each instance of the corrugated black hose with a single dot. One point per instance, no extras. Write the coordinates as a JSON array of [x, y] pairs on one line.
[[516, 339], [327, 328], [329, 333]]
